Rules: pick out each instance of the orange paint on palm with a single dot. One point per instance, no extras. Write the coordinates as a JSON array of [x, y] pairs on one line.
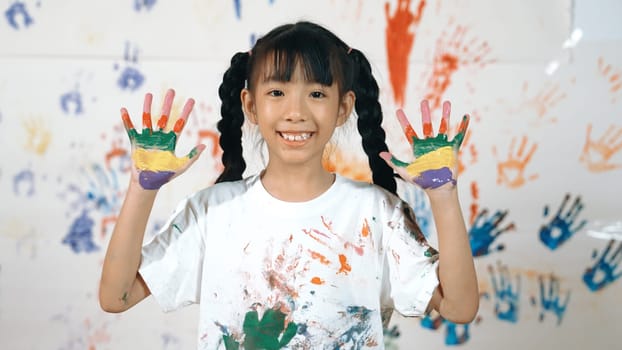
[[317, 256], [399, 43], [345, 267], [147, 120], [317, 280]]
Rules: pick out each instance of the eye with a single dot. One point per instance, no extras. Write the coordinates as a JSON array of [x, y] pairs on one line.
[[275, 93], [317, 94]]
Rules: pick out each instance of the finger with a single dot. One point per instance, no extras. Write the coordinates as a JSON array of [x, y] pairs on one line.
[[192, 156], [181, 122], [166, 108], [445, 119], [462, 130], [426, 118], [397, 165], [127, 123], [147, 112], [409, 132]]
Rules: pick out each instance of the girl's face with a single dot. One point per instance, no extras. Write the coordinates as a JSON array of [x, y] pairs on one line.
[[296, 118]]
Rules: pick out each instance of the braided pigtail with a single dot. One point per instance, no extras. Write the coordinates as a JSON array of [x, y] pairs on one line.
[[369, 121], [232, 118]]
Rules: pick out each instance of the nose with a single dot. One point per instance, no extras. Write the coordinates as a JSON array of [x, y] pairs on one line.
[[297, 110]]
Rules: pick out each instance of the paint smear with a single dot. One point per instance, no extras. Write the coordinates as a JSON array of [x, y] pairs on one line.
[[453, 52], [400, 38]]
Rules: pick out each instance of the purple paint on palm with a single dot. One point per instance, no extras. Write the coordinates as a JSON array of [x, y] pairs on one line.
[[153, 180], [435, 178]]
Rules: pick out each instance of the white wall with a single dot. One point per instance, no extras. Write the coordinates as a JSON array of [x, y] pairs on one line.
[[61, 176]]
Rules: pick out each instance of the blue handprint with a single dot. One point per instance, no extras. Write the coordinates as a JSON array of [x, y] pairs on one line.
[[506, 296], [146, 4], [560, 228], [131, 78], [451, 331], [550, 299], [16, 10], [80, 235], [603, 272], [416, 198], [484, 232], [71, 102]]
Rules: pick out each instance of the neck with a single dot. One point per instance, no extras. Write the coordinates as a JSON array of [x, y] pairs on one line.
[[296, 184]]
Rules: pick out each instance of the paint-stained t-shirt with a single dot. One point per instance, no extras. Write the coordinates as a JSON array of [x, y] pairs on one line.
[[269, 274]]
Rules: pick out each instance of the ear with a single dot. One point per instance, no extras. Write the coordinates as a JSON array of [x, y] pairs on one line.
[[248, 105], [345, 107]]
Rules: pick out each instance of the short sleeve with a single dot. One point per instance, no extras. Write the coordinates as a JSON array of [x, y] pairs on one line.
[[412, 263], [172, 262]]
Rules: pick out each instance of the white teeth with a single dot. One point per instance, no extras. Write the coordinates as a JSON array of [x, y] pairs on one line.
[[296, 137]]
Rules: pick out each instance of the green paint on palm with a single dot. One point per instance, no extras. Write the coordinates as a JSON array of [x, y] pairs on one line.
[[269, 333], [149, 139]]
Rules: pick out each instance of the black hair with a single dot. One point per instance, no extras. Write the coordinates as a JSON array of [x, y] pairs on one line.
[[325, 59]]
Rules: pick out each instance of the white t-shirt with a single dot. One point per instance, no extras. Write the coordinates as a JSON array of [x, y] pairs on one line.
[[268, 274]]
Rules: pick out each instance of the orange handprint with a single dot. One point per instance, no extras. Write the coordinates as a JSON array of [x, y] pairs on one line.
[[511, 172], [548, 97], [596, 155], [613, 77], [400, 37], [453, 52]]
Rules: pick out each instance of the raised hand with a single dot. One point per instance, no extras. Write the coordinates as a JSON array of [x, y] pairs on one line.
[[436, 158], [153, 151]]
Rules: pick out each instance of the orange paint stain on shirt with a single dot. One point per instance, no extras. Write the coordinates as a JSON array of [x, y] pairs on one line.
[[317, 280], [365, 230], [321, 258], [345, 268]]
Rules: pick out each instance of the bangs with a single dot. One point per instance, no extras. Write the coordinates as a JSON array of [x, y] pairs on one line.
[[279, 57], [280, 65]]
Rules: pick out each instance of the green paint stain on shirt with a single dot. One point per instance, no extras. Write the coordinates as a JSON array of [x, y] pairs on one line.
[[269, 333]]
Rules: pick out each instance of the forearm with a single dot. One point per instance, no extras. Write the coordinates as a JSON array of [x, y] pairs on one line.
[[119, 289], [458, 280]]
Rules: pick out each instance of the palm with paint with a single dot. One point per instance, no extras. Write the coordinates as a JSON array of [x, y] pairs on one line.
[[153, 151], [436, 158]]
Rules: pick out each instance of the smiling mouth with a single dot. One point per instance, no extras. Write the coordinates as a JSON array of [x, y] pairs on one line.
[[302, 136]]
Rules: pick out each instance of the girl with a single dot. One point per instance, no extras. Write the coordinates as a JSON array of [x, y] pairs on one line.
[[295, 256]]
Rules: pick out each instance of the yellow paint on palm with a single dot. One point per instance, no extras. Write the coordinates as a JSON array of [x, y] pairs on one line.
[[157, 160], [443, 157]]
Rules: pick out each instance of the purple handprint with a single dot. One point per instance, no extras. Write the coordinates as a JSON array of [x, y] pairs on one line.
[[486, 230], [603, 272], [550, 298], [560, 228], [506, 296]]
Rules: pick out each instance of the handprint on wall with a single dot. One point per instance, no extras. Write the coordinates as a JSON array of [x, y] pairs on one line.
[[597, 154], [561, 226], [400, 37], [17, 16], [606, 269], [511, 171], [453, 52], [507, 294], [551, 298], [455, 334], [613, 77], [130, 78], [485, 230]]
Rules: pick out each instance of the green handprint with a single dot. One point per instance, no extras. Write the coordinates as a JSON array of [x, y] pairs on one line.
[[436, 158], [153, 152], [264, 334]]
